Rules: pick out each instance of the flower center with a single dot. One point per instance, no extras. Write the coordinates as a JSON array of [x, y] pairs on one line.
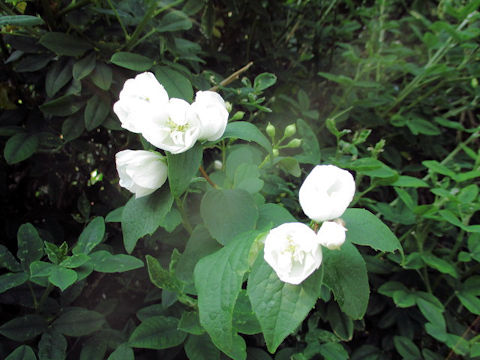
[[177, 127], [292, 249]]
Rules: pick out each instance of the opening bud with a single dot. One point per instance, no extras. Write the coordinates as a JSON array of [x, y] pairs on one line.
[[270, 130], [290, 130], [294, 143]]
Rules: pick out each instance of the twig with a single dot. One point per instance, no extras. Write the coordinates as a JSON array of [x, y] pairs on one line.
[[472, 325], [232, 77], [205, 175]]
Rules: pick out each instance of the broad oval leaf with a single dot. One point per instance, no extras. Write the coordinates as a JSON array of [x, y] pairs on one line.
[[246, 131], [90, 237], [218, 280], [131, 61], [30, 245], [23, 352], [157, 332], [280, 307], [105, 262], [345, 273], [24, 328], [64, 44], [52, 346], [96, 111], [176, 84], [364, 228], [182, 168], [174, 21], [228, 213], [11, 280], [143, 216], [20, 147], [79, 322]]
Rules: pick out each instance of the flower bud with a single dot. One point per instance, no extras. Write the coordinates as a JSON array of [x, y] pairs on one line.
[[290, 130], [275, 152], [211, 111], [142, 172], [270, 130], [294, 143], [331, 235], [218, 165], [326, 192], [292, 250]]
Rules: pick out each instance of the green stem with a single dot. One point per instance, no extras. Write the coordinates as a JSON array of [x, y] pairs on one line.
[[125, 32], [34, 297], [150, 14], [433, 61], [73, 6], [44, 297]]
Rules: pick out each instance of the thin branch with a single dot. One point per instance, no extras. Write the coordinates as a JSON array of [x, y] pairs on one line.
[[205, 175], [232, 77]]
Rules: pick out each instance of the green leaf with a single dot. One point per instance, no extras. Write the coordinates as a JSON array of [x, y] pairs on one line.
[[280, 307], [30, 245], [406, 348], [75, 261], [20, 147], [310, 145], [199, 245], [20, 20], [7, 260], [23, 352], [84, 66], [105, 262], [57, 76], [177, 85], [90, 237], [439, 168], [62, 106], [93, 349], [52, 346], [364, 228], [340, 79], [64, 44], [190, 323], [289, 165], [439, 264], [96, 112], [161, 277], [24, 328], [470, 300], [174, 21], [244, 319], [246, 131], [201, 348], [79, 322], [421, 126], [432, 313], [218, 280], [10, 280], [345, 273], [264, 81], [62, 277], [131, 61], [227, 213], [182, 168], [341, 324], [409, 181], [157, 332], [272, 215], [102, 76], [144, 215], [247, 177], [123, 352]]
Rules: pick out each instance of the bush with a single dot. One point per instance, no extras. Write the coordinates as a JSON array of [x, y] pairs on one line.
[[386, 90]]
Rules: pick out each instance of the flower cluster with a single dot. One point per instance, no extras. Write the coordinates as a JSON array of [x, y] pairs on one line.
[[170, 124], [294, 250]]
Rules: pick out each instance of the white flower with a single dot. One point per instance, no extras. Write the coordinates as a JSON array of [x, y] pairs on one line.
[[141, 172], [175, 128], [212, 114], [331, 235], [140, 99], [326, 192], [292, 250]]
